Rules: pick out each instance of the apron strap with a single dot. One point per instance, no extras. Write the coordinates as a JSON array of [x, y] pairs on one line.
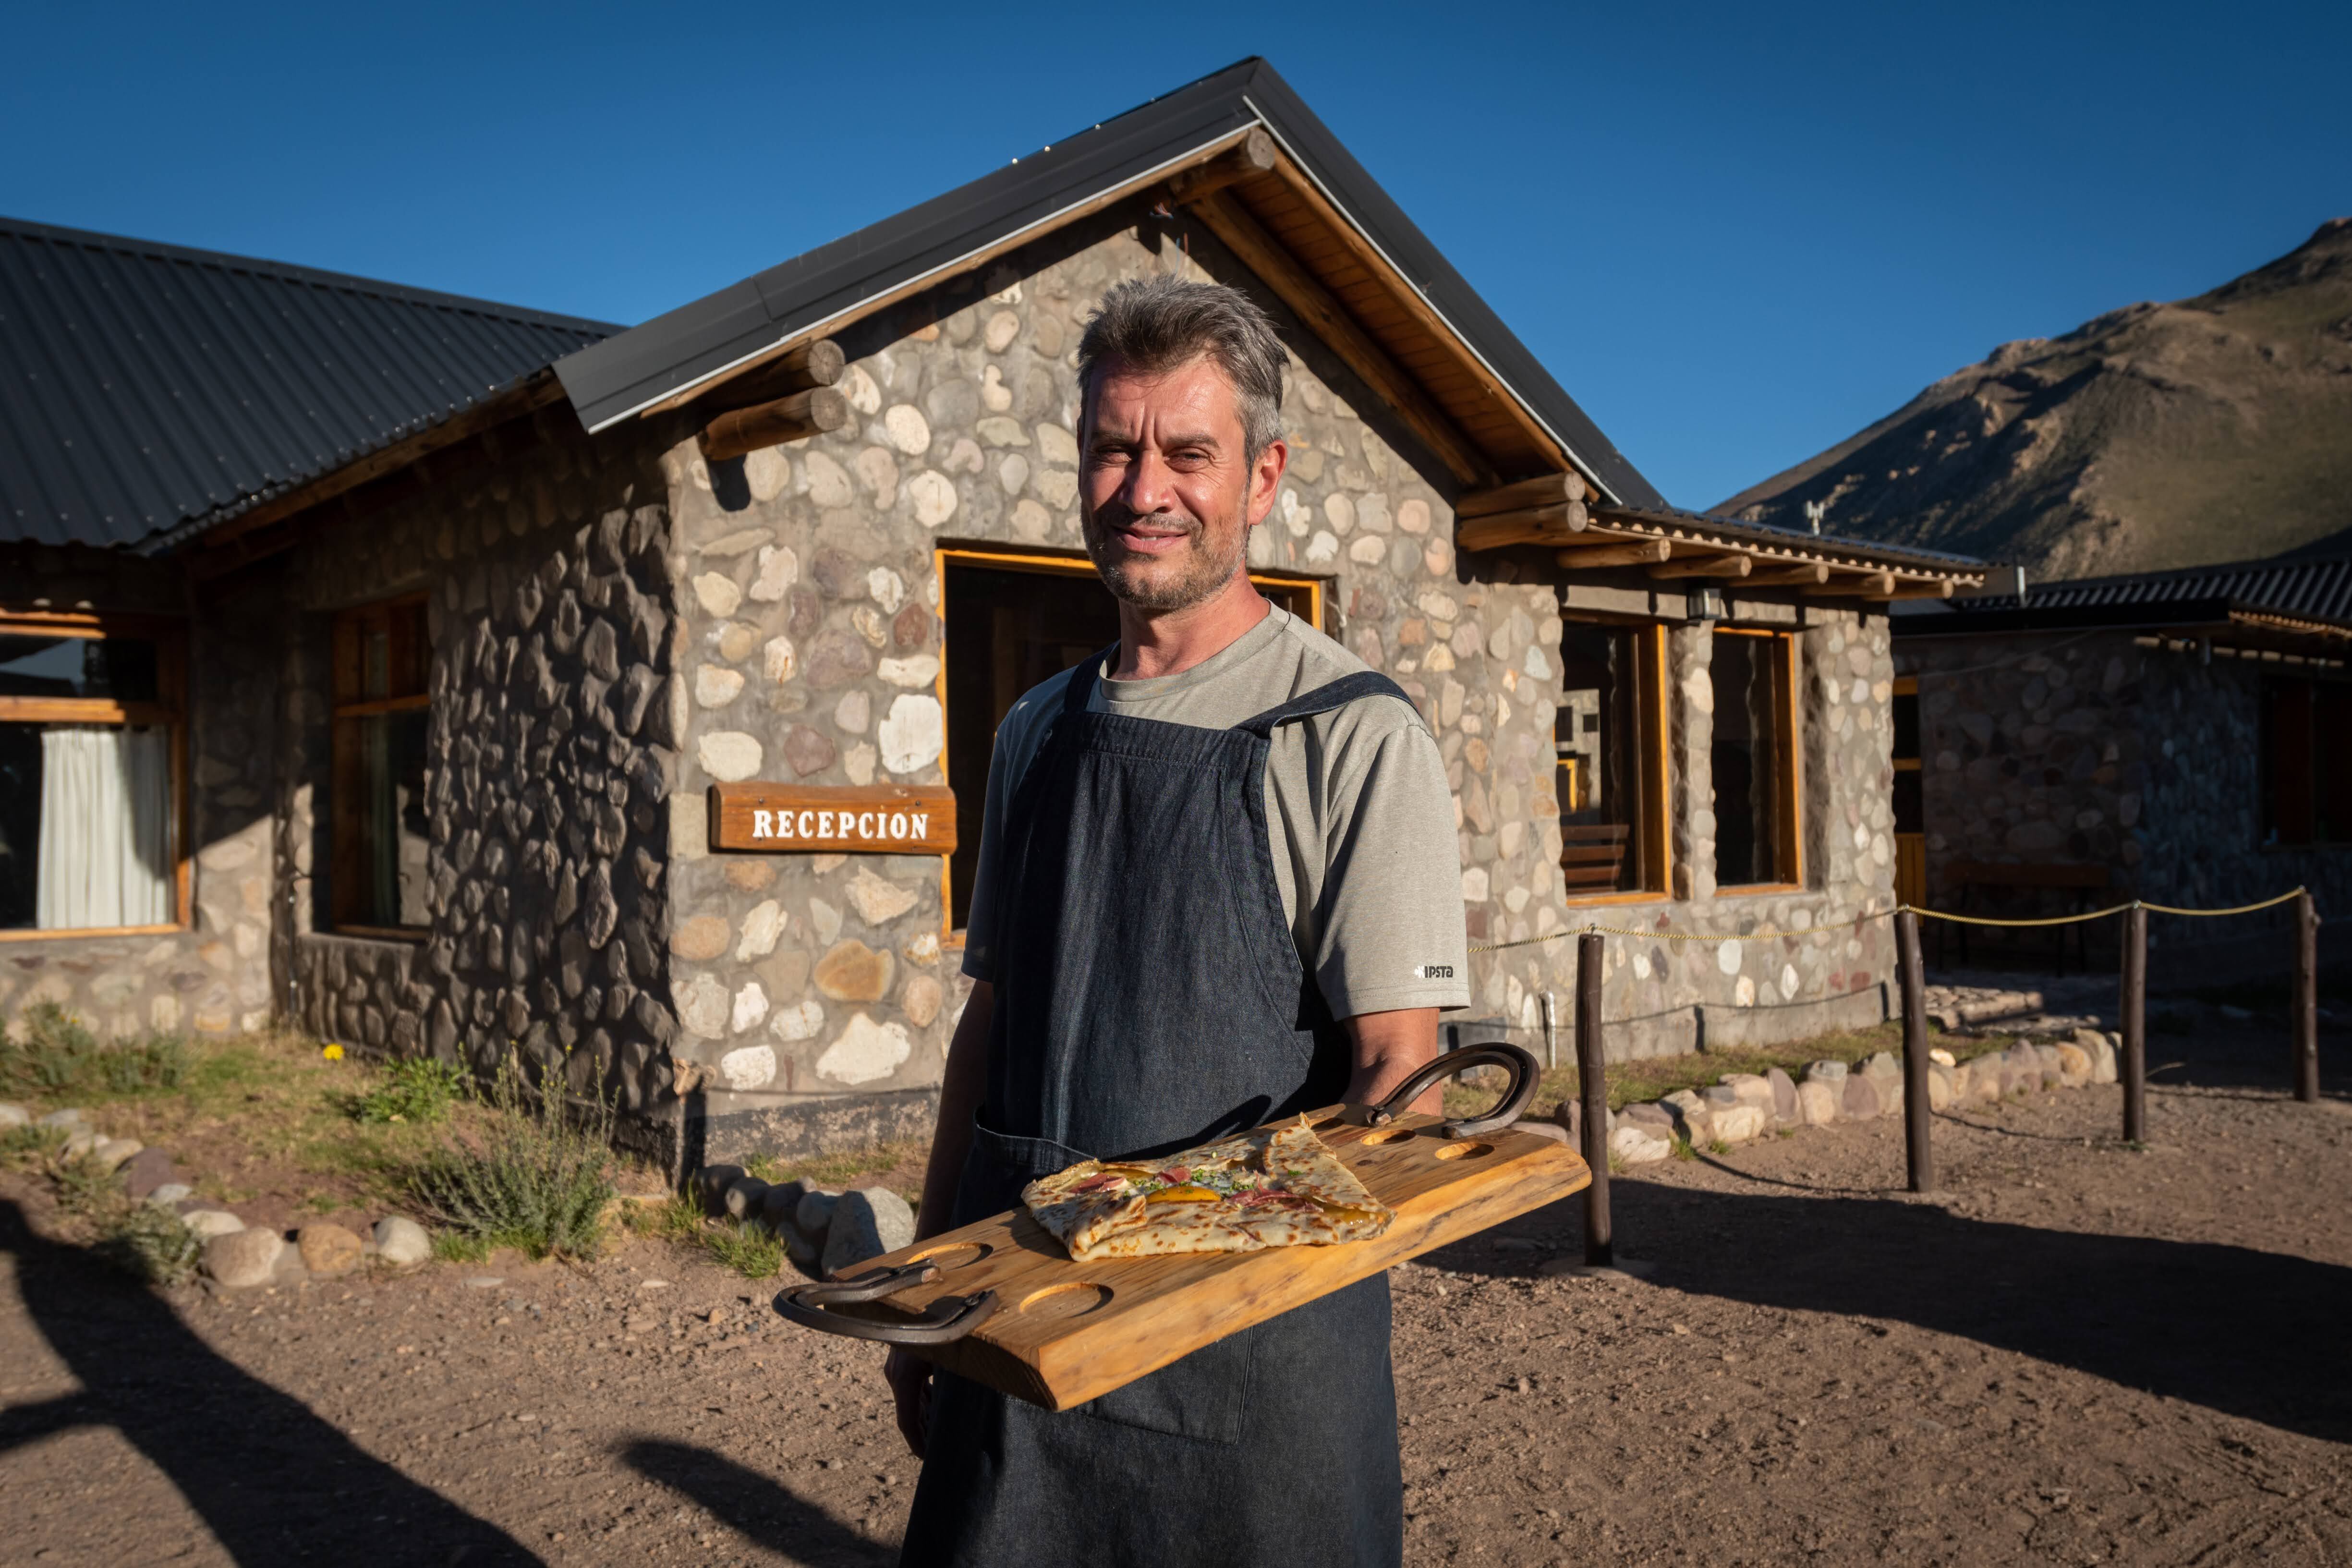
[[1083, 675], [1323, 699]]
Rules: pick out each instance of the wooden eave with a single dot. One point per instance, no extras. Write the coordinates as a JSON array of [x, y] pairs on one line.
[[1736, 555]]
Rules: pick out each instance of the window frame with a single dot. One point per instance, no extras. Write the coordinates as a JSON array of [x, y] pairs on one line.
[[170, 636], [1052, 562], [343, 758], [1656, 825], [2310, 693], [1910, 848], [1789, 827]]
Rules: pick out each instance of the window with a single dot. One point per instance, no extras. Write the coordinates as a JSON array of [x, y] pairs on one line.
[[1753, 759], [1609, 735], [1014, 620], [1910, 799], [382, 718], [90, 770], [2307, 762]]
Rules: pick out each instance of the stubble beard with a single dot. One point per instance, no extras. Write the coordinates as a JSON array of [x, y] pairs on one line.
[[1200, 570]]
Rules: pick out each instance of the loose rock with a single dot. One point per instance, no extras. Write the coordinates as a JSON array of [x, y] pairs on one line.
[[115, 1152], [242, 1259], [13, 1116], [744, 1197], [1859, 1101], [400, 1240], [171, 1194], [69, 1117], [209, 1222], [147, 1172], [814, 1214], [867, 1223], [329, 1250], [1784, 1094], [1816, 1104], [1637, 1145]]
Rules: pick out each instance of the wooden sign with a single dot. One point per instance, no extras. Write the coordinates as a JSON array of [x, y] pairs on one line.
[[869, 819], [1066, 1332]]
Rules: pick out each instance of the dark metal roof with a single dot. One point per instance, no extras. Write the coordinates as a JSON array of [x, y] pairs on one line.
[[612, 380], [2288, 587], [148, 391]]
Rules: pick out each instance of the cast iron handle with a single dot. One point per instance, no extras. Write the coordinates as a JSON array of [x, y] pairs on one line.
[[1520, 1062], [949, 1317]]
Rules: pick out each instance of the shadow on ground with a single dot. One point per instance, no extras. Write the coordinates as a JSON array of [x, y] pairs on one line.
[[755, 1506], [273, 1482]]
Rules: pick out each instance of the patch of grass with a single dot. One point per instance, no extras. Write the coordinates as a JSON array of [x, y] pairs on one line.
[[457, 1246], [839, 1170], [53, 1053], [750, 1250], [533, 1178], [1681, 1150], [673, 1219], [1717, 1146], [416, 1089], [21, 1145]]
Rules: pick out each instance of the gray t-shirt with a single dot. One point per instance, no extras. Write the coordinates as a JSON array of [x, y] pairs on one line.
[[1357, 812]]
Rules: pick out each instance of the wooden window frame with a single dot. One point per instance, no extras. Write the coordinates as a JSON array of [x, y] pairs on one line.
[[170, 636], [1656, 825], [1049, 561], [1790, 827], [344, 674]]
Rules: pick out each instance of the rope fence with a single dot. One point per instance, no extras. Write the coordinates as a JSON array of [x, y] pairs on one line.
[[1918, 1152]]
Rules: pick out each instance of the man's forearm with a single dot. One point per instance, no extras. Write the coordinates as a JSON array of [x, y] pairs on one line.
[[961, 1084], [1390, 1047]]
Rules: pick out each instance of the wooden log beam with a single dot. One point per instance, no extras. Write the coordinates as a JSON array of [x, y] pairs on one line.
[[1618, 552], [1849, 583], [1547, 490], [1913, 588], [1531, 525], [1328, 319], [1256, 155], [741, 430], [1808, 575], [1727, 563]]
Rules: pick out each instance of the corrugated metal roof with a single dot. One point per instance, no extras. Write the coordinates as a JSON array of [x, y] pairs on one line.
[[678, 349], [2313, 590], [148, 391], [1773, 536]]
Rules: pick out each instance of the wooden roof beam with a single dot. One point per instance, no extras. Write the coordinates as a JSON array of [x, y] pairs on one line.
[[1329, 320], [1911, 588], [1256, 155], [1711, 563], [1551, 524], [742, 430], [1804, 574], [1617, 552]]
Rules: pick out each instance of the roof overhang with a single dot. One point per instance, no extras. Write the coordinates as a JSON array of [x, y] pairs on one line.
[[1241, 153], [2222, 625]]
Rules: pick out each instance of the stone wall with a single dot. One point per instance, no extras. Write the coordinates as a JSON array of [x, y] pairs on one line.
[[2056, 747], [555, 721], [212, 978], [818, 986]]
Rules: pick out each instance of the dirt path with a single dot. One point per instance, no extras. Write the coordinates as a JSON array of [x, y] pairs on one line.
[[2076, 1355]]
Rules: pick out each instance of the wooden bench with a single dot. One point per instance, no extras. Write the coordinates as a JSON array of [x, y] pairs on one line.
[[2084, 883]]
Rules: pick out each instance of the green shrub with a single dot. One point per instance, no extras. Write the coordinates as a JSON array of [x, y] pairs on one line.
[[54, 1052], [533, 1178], [151, 1244], [416, 1089], [158, 1061], [39, 1142], [750, 1250]]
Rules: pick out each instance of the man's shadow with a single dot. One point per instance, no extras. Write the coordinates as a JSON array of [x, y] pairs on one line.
[[755, 1506], [273, 1482], [2250, 1333]]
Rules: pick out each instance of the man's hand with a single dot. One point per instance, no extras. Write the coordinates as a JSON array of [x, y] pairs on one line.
[[1390, 1047], [911, 1387]]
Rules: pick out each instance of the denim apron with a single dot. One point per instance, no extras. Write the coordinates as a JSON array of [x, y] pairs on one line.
[[1148, 996]]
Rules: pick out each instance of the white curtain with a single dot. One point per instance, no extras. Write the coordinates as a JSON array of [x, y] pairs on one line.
[[105, 828]]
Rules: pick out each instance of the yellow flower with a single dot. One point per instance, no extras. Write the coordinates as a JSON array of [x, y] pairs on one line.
[[332, 1053]]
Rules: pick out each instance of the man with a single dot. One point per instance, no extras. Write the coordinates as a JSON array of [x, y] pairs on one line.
[[1217, 884]]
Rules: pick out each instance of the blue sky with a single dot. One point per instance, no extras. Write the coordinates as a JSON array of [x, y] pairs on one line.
[[1736, 234]]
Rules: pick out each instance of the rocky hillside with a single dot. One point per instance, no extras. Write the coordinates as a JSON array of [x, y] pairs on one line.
[[2217, 429]]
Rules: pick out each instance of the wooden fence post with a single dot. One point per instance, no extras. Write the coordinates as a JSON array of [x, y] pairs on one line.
[[1593, 1086], [1920, 1158], [2135, 1020], [2305, 1015]]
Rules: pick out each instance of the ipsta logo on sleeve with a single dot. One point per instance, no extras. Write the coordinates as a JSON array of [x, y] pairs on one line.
[[1434, 972]]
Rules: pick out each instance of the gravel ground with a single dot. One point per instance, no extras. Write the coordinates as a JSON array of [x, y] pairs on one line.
[[2074, 1353]]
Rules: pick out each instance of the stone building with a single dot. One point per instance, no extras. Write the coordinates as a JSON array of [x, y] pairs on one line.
[[498, 688], [2181, 737]]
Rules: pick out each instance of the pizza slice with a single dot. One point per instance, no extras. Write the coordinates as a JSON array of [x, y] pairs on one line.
[[1273, 1187]]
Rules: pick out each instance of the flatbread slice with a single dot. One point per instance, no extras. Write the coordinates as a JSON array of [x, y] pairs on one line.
[[1273, 1187]]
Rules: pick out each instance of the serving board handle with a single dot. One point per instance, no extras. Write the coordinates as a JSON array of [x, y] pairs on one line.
[[1519, 1062]]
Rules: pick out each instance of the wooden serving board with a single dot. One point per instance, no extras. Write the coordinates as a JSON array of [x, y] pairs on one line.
[[1064, 1332]]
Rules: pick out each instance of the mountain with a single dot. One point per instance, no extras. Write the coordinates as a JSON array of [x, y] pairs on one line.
[[2212, 429]]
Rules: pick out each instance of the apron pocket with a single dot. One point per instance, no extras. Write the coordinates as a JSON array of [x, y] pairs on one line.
[[1205, 1395]]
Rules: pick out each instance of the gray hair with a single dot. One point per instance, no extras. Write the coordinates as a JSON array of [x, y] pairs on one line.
[[1155, 324]]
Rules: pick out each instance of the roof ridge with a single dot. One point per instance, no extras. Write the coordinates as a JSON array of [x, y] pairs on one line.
[[297, 272]]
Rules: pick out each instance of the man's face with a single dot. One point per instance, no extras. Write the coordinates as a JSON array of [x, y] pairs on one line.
[[1167, 494]]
